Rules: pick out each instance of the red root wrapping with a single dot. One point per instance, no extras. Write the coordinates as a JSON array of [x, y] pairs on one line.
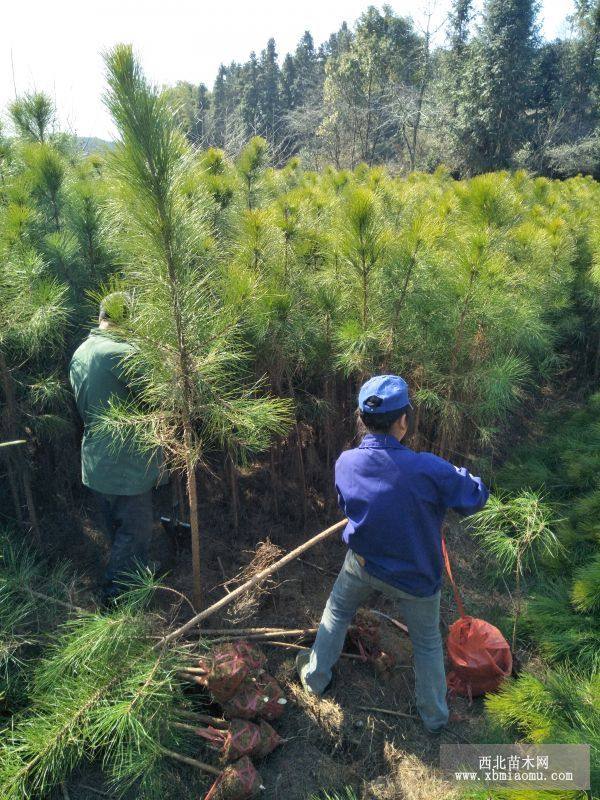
[[365, 636], [228, 666], [269, 740], [479, 655], [243, 738], [239, 781], [259, 696]]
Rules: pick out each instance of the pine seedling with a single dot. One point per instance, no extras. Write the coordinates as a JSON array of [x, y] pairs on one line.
[[217, 176], [33, 116], [193, 392], [562, 633], [585, 594], [559, 706], [363, 243], [251, 165], [101, 691], [46, 170], [38, 313], [517, 532], [32, 603]]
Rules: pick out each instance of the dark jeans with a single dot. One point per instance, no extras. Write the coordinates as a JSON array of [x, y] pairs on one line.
[[128, 520]]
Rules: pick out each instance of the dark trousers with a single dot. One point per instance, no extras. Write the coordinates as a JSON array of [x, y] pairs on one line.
[[128, 520]]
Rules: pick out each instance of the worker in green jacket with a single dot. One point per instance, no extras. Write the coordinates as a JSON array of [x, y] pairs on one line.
[[119, 474]]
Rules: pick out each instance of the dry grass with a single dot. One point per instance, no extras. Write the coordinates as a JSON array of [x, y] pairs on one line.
[[246, 605], [323, 712], [408, 779]]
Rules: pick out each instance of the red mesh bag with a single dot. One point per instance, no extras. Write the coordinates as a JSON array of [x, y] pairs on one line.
[[239, 781], [269, 740], [259, 696], [252, 655], [242, 738], [228, 666], [478, 653]]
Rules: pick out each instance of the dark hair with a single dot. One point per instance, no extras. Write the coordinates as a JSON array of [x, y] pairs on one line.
[[381, 423]]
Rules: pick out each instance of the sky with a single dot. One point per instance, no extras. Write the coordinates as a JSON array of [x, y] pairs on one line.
[[55, 46]]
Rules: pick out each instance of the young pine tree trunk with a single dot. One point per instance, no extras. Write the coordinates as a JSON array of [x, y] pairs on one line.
[[192, 487], [518, 601], [445, 442], [300, 457], [275, 484], [232, 472]]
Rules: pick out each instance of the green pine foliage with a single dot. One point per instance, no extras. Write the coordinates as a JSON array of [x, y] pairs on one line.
[[559, 703], [103, 691], [558, 706], [32, 597]]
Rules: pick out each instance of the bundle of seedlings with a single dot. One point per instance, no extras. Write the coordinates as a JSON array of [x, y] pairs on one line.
[[235, 676], [238, 737]]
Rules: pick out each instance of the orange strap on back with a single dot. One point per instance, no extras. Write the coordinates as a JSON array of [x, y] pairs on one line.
[[457, 600]]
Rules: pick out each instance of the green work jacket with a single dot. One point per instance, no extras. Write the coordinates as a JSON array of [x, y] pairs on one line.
[[97, 376]]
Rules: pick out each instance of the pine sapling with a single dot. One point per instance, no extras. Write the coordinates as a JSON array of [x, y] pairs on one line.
[[190, 360], [517, 531]]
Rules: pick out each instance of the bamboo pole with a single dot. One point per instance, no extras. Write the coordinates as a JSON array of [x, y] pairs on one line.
[[293, 554]]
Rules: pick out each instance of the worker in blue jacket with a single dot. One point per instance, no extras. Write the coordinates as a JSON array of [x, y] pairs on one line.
[[395, 500]]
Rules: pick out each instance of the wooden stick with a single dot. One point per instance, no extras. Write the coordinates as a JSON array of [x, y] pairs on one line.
[[293, 554], [299, 647], [192, 762], [187, 676], [400, 625], [236, 631], [285, 632], [196, 670], [197, 717], [93, 790], [56, 601], [389, 711]]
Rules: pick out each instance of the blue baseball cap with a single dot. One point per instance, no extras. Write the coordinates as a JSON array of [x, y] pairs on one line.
[[382, 394]]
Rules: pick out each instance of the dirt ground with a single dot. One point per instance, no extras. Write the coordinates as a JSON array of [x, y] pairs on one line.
[[332, 743]]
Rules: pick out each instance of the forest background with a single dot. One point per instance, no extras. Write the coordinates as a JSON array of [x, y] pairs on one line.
[[492, 95]]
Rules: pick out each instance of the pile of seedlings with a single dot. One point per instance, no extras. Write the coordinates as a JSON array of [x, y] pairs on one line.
[[235, 677]]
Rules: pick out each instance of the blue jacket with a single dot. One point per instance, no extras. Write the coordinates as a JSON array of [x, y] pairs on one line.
[[395, 501]]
